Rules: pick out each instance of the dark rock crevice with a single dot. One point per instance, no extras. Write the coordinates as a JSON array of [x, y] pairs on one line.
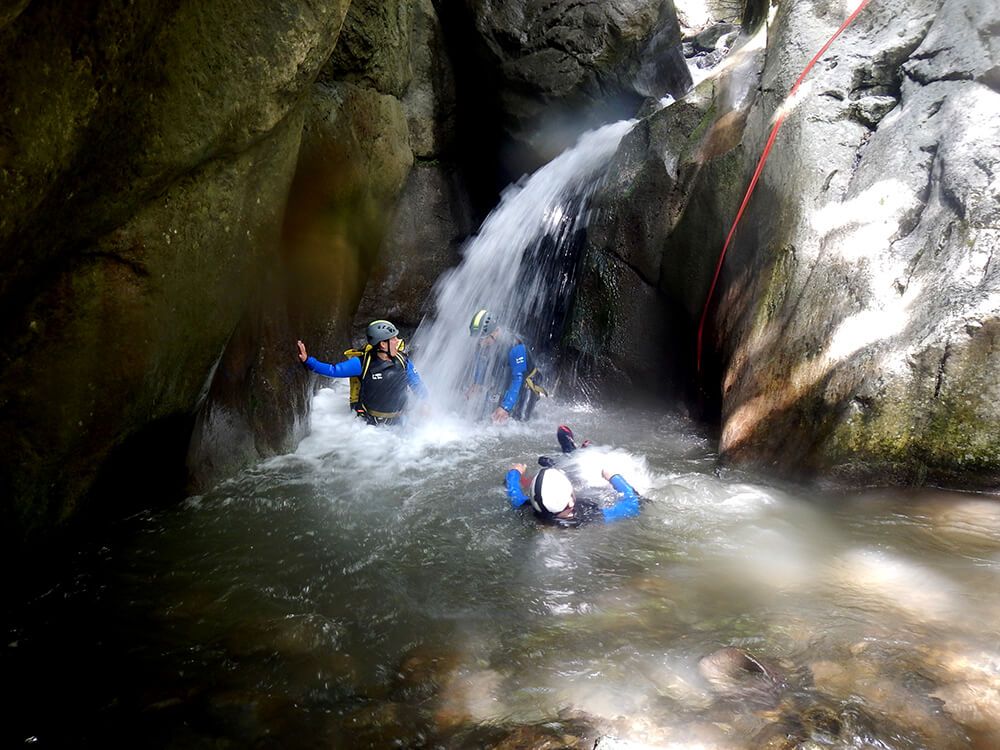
[[478, 139], [941, 369]]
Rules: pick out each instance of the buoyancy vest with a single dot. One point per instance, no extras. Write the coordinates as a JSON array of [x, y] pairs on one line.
[[383, 385], [355, 383]]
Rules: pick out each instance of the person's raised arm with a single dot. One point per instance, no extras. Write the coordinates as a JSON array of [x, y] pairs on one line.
[[628, 501], [349, 368]]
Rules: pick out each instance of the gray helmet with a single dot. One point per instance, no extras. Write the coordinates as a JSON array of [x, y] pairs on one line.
[[482, 323], [379, 331]]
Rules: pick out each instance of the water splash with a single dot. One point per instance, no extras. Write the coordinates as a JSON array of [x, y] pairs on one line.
[[521, 265]]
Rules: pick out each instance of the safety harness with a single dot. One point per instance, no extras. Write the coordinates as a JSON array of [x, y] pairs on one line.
[[529, 383], [532, 385], [366, 355]]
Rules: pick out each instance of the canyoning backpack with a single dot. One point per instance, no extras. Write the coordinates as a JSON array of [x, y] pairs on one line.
[[365, 354]]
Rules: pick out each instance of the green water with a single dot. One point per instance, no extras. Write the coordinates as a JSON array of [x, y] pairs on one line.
[[376, 589]]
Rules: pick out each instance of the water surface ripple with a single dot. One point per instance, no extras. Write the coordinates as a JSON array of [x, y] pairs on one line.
[[375, 589]]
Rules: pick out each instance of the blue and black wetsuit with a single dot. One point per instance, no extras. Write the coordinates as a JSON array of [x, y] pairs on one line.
[[383, 383], [522, 390], [584, 510]]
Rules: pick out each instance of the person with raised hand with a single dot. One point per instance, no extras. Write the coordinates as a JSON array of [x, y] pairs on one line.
[[385, 374]]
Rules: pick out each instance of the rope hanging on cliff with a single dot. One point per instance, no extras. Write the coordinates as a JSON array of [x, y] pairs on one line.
[[782, 113]]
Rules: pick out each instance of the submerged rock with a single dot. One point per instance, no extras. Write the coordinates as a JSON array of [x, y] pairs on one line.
[[735, 671]]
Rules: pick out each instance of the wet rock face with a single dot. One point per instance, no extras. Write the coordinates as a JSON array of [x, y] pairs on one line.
[[853, 332], [563, 67], [859, 324], [420, 235], [645, 268], [423, 241], [355, 155], [145, 155], [146, 159]]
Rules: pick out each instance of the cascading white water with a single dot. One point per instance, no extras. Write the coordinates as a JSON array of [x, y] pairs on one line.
[[499, 270]]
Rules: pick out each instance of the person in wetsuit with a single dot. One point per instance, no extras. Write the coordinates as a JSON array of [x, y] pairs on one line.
[[554, 500], [523, 389], [385, 373]]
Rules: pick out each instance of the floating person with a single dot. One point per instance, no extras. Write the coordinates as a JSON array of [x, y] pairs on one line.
[[555, 502], [383, 371], [523, 378]]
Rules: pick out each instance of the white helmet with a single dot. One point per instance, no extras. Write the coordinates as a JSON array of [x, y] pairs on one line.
[[551, 492]]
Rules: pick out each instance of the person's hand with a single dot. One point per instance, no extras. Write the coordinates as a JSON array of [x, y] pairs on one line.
[[500, 415], [519, 468], [608, 474], [302, 352]]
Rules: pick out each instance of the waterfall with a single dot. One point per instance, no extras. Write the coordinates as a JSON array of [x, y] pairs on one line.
[[521, 265]]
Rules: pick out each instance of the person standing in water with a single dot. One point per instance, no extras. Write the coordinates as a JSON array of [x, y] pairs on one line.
[[523, 389], [385, 374]]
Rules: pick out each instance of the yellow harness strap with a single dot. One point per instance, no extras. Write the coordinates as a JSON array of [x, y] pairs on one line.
[[533, 385], [382, 414], [365, 356]]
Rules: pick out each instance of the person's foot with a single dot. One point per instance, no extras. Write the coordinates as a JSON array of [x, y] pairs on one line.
[[565, 437]]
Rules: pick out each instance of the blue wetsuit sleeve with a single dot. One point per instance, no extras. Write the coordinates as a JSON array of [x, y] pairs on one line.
[[627, 505], [518, 361], [414, 381], [514, 491], [349, 368]]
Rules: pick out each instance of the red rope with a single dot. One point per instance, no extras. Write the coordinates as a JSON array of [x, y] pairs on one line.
[[760, 168]]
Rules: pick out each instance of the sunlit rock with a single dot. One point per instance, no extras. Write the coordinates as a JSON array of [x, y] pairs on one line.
[[644, 261], [844, 326], [853, 333], [470, 697], [881, 580], [969, 686]]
